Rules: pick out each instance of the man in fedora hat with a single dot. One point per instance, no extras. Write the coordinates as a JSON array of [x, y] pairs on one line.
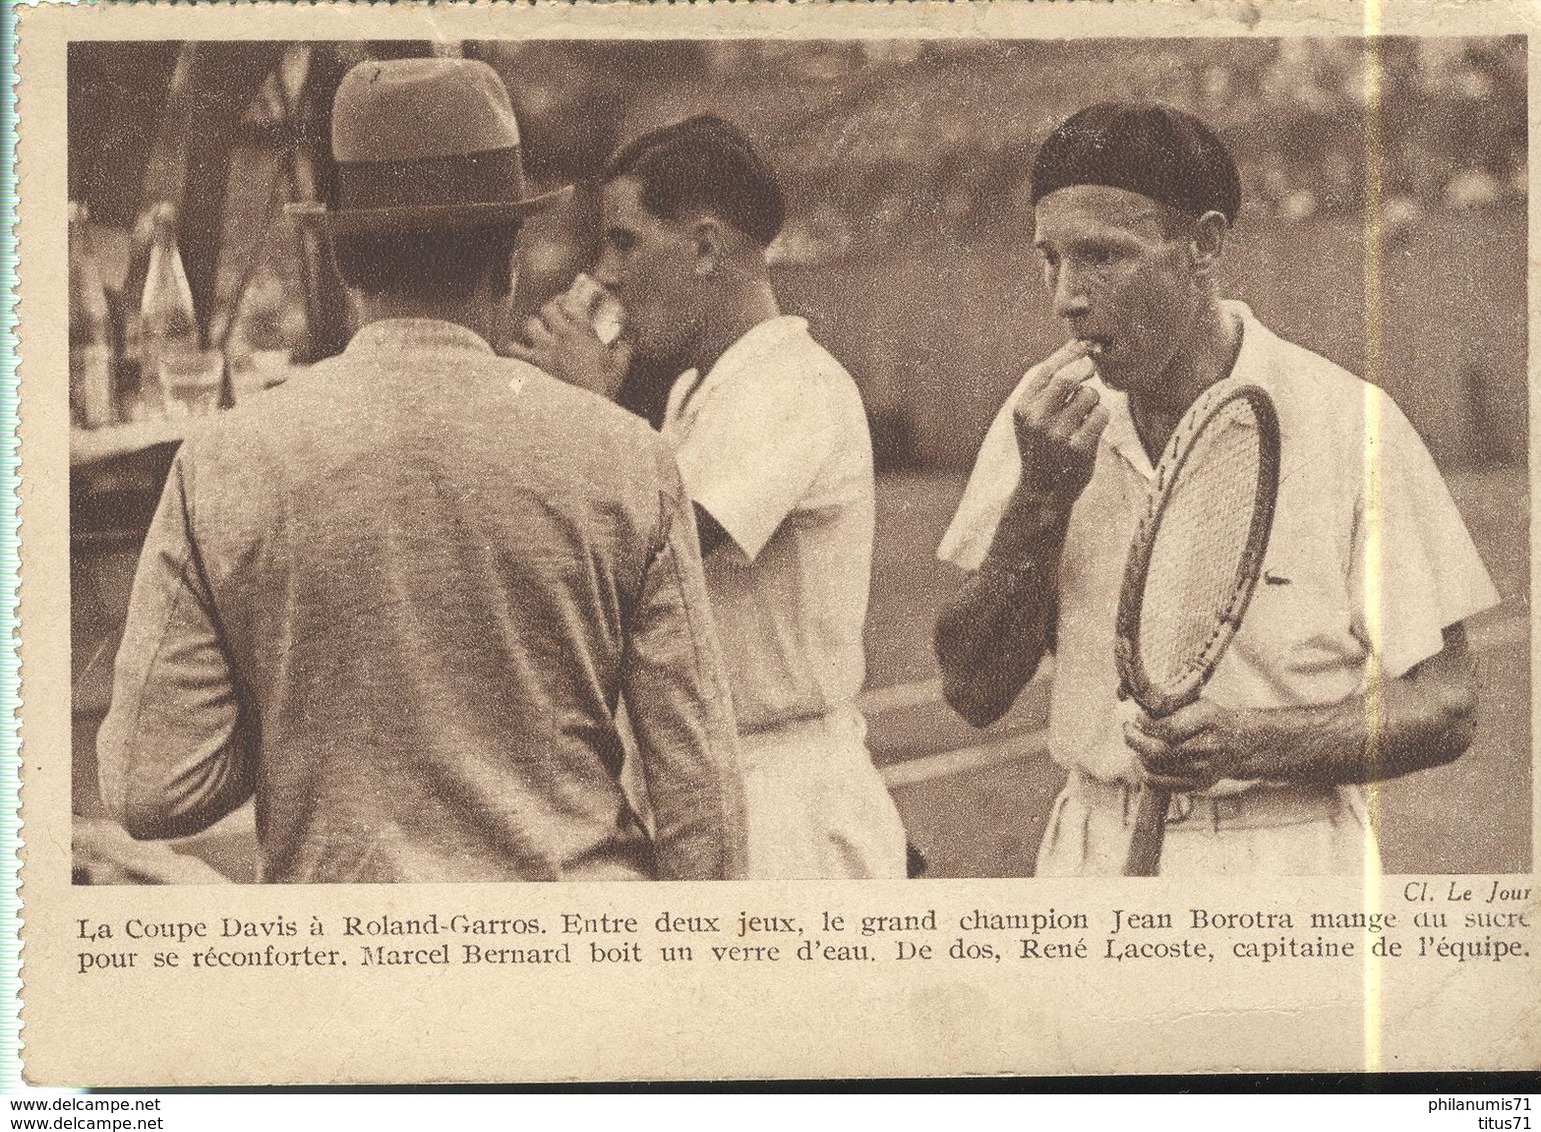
[[773, 444], [1351, 664], [399, 598]]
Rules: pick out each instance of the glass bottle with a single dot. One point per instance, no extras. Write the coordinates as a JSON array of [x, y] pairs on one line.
[[173, 364], [90, 331], [132, 405]]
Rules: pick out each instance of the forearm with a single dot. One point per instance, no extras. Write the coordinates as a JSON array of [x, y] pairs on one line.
[[154, 802], [176, 752], [1423, 719], [991, 637], [700, 832]]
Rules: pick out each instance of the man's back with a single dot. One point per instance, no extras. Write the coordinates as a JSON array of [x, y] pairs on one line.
[[426, 562]]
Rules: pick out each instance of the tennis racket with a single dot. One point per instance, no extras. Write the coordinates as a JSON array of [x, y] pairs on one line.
[[1192, 568]]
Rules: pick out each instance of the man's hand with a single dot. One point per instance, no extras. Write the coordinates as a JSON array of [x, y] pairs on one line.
[[565, 346], [1196, 746], [1058, 422], [991, 637], [1425, 717]]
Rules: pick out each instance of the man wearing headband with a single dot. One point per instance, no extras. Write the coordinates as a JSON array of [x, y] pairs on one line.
[[398, 598], [1133, 205]]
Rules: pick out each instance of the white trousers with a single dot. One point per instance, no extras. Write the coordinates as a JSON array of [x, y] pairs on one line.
[[1296, 830], [817, 808]]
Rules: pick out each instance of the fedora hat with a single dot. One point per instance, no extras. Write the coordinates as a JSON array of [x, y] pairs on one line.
[[425, 145]]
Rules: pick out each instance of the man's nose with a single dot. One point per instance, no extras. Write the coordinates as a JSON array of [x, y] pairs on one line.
[[1070, 293], [605, 271]]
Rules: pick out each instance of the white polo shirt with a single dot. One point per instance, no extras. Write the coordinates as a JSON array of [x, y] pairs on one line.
[[773, 442], [1333, 599]]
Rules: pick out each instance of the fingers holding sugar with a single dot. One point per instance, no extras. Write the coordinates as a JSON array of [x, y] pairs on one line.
[[1072, 377], [1082, 370], [591, 301]]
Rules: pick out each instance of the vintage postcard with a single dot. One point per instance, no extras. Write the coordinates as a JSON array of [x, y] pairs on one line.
[[1032, 500]]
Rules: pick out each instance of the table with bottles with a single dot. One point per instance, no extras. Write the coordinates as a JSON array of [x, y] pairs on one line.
[[143, 378]]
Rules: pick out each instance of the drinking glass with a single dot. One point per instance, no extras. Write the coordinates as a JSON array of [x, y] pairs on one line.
[[191, 382]]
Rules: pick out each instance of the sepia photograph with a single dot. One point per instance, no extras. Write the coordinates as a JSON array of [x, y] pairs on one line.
[[609, 460], [1032, 500]]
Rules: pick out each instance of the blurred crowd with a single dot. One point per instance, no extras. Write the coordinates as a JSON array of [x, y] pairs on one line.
[[890, 132], [901, 149]]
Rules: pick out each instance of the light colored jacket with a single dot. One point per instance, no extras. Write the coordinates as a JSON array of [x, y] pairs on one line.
[[398, 599]]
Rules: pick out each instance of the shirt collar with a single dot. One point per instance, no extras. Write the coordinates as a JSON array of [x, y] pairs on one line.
[[759, 340], [1250, 367], [1252, 360], [1120, 436], [690, 390], [395, 335]]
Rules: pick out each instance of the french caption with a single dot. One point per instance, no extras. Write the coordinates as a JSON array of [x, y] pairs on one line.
[[1455, 922]]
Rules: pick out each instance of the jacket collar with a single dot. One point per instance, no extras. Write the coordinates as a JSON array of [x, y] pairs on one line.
[[396, 335]]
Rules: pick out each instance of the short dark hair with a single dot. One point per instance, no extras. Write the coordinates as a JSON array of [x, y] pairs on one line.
[[704, 163], [427, 264]]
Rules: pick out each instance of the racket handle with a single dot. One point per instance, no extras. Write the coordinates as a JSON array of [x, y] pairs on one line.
[[1149, 832]]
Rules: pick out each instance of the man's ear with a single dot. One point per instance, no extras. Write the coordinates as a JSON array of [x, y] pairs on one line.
[[1206, 245], [711, 246], [504, 275]]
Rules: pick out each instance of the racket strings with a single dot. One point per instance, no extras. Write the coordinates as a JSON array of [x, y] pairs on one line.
[[1197, 557]]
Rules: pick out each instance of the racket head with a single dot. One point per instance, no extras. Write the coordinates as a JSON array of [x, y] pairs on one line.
[[1199, 548]]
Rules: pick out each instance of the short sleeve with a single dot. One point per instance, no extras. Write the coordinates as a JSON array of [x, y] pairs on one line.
[[1415, 570], [997, 470], [752, 451]]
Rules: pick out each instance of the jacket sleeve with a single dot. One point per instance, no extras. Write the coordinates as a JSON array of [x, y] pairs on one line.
[[677, 694], [174, 751]]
